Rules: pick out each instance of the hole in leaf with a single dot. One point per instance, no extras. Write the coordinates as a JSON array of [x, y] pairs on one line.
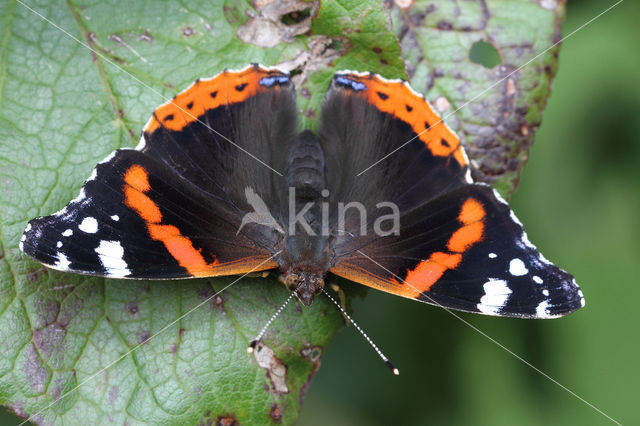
[[485, 54], [296, 16]]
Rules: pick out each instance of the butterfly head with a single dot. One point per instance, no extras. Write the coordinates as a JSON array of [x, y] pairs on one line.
[[305, 285]]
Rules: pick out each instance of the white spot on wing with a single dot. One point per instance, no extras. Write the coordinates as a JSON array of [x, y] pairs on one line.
[[89, 225], [517, 268], [541, 310], [21, 246], [537, 279], [62, 263], [110, 254], [582, 301], [67, 233], [545, 292], [59, 244], [496, 294], [28, 228], [492, 255], [467, 176], [141, 143], [115, 217]]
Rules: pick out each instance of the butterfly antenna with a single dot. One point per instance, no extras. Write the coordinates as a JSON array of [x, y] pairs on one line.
[[393, 369], [254, 342]]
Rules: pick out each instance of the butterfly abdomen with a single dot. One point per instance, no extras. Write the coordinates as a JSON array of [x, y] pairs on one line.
[[305, 166]]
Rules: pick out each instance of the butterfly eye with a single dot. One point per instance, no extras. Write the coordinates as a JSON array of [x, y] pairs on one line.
[[291, 281]]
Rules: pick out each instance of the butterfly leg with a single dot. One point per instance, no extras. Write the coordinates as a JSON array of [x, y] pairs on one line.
[[343, 300]]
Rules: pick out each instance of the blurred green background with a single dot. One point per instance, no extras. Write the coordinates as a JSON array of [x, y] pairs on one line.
[[579, 198]]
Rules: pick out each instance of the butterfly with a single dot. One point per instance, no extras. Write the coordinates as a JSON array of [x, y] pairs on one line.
[[223, 182]]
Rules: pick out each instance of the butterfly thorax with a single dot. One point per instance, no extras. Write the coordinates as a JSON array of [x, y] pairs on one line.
[[304, 260]]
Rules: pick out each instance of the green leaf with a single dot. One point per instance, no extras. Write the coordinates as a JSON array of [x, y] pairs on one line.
[[63, 109], [478, 64]]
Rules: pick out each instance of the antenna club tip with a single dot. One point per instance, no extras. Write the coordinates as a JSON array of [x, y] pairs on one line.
[[252, 346], [393, 369]]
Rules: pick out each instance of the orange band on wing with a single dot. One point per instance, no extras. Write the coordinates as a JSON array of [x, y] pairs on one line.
[[180, 247], [428, 272], [137, 178], [397, 99], [226, 88]]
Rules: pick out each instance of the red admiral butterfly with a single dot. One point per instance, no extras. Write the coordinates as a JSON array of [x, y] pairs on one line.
[[193, 200]]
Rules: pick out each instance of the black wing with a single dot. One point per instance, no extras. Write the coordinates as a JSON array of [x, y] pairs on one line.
[[458, 245], [174, 206]]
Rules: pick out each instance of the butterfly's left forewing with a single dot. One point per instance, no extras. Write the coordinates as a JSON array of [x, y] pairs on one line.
[[136, 219], [174, 206]]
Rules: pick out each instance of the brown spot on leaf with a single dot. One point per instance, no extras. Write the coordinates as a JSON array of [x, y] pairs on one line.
[[445, 25], [208, 293], [50, 339], [511, 87], [276, 21], [218, 302], [275, 413], [132, 308], [47, 310], [377, 50], [145, 36], [143, 337], [34, 370], [442, 104], [321, 54], [113, 394], [404, 4], [35, 275], [72, 305], [188, 31], [313, 355], [549, 4], [226, 421], [275, 368], [18, 409]]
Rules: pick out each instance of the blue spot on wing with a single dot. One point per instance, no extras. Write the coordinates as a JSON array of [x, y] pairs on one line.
[[350, 84], [279, 80]]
